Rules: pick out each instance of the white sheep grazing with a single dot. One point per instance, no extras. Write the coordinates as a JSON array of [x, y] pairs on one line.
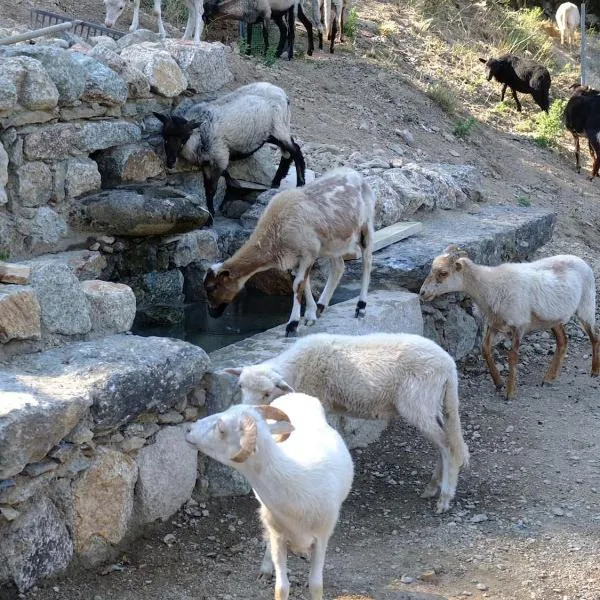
[[194, 26], [375, 376], [521, 297], [568, 20], [300, 482], [328, 217]]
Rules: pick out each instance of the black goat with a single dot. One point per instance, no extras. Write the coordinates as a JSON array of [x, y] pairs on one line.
[[520, 75], [582, 118]]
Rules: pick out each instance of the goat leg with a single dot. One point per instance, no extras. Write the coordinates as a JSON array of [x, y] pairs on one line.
[[513, 359], [514, 94], [283, 31], [503, 92], [595, 340], [486, 350], [577, 150], [559, 355], [309, 30]]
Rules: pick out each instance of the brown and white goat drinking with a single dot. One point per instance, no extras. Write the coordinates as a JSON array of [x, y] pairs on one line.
[[521, 297], [326, 218]]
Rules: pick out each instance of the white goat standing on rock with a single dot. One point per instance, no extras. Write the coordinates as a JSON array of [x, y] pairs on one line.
[[194, 26], [521, 297], [328, 217], [568, 20], [300, 482], [375, 376]]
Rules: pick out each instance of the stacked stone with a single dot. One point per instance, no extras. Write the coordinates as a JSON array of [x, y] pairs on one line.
[[92, 448], [73, 120]]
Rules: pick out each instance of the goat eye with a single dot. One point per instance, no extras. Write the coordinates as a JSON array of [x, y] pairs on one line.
[[444, 273]]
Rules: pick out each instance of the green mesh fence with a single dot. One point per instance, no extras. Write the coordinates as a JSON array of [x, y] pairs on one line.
[[257, 46]]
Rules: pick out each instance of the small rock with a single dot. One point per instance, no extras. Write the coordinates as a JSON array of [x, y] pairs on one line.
[[170, 418], [132, 443], [481, 586], [106, 239], [407, 136], [558, 512], [80, 435], [454, 153], [480, 518], [35, 469], [406, 579], [9, 513], [429, 576], [117, 438], [198, 397], [190, 413], [169, 539]]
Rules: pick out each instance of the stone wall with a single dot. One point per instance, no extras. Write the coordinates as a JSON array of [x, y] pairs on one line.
[[92, 449], [78, 118]]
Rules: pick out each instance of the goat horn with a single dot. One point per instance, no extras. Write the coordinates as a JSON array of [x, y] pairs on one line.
[[271, 412], [248, 441]]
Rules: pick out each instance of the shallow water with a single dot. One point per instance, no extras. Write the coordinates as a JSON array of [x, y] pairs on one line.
[[251, 313]]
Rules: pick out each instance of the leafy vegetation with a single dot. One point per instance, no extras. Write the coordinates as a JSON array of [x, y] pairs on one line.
[[463, 127], [549, 127], [351, 23]]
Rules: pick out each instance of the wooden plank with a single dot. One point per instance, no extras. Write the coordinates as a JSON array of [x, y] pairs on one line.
[[390, 235], [15, 273]]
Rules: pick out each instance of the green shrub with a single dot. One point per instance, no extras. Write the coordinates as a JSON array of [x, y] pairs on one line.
[[463, 127], [351, 23], [549, 127]]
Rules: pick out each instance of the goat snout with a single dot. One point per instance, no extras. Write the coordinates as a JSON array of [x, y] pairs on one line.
[[216, 311]]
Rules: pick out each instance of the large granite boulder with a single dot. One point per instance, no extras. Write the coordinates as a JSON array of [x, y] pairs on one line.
[[61, 140], [204, 65], [400, 192], [102, 84], [19, 313], [61, 66], [161, 69], [33, 87], [139, 211], [129, 163], [111, 306], [34, 545]]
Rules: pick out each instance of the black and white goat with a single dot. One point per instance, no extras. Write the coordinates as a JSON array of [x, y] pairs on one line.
[[582, 118], [520, 75], [231, 127]]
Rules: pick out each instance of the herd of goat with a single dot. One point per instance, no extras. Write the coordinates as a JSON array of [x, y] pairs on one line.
[[278, 437]]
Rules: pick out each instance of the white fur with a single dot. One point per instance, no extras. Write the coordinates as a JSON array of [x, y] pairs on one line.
[[326, 218], [521, 297], [374, 376], [194, 26], [568, 20], [300, 483]]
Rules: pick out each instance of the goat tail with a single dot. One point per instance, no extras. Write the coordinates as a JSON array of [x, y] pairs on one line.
[[452, 426]]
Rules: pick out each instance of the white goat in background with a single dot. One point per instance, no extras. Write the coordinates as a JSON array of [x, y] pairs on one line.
[[300, 482], [567, 19], [194, 26]]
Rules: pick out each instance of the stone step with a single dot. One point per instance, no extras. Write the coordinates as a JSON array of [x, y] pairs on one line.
[[493, 235], [85, 264]]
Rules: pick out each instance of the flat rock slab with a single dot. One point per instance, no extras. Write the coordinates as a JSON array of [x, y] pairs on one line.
[[494, 235], [139, 211], [117, 377], [393, 312]]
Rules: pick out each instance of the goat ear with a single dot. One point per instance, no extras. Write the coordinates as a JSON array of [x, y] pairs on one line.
[[236, 372], [482, 60], [162, 118], [459, 264], [285, 387], [280, 428], [193, 125], [451, 249], [224, 274]]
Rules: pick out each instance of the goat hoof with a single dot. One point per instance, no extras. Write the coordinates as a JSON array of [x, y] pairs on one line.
[[320, 309], [360, 305], [291, 329], [430, 491], [443, 505]]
